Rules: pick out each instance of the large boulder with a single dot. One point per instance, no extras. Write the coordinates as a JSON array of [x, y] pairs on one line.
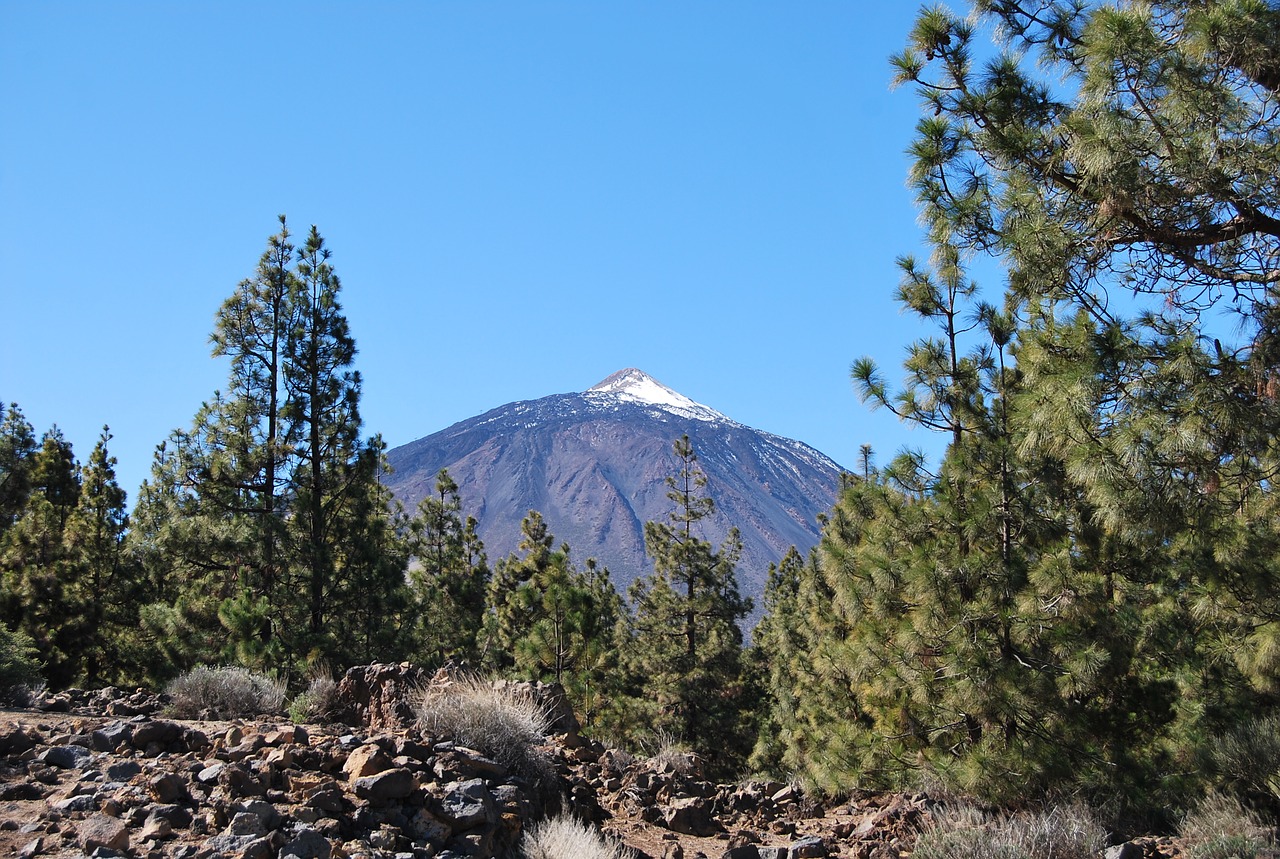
[[380, 696]]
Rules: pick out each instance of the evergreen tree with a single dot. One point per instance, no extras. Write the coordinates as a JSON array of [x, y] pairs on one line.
[[102, 578], [685, 650], [508, 617], [449, 577], [17, 448], [36, 568], [265, 530]]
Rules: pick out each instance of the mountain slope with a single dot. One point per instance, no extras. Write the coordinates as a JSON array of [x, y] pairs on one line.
[[595, 465]]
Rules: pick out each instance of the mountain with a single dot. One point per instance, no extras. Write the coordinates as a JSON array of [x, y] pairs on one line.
[[595, 464]]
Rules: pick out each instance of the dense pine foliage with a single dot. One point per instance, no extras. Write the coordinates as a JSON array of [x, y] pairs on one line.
[[1081, 597]]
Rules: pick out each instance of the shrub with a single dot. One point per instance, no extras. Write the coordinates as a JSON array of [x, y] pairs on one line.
[[568, 838], [1064, 832], [505, 723], [318, 703], [19, 667], [1221, 828], [224, 693], [1248, 759]]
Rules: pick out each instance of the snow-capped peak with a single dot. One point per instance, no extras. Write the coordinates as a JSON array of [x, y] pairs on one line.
[[637, 386]]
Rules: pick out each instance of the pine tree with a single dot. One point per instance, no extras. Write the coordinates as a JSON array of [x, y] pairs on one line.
[[508, 617], [686, 646], [265, 529], [17, 449], [102, 578], [448, 578], [36, 567]]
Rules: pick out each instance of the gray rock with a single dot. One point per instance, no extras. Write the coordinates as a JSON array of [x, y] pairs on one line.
[[307, 844], [469, 804], [245, 823], [392, 784], [84, 802], [112, 736], [209, 774], [65, 757], [123, 770], [808, 848]]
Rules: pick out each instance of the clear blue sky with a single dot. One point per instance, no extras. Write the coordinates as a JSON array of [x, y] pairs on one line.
[[521, 198]]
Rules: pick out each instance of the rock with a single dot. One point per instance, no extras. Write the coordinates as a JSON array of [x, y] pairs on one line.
[[743, 851], [65, 757], [808, 848], [19, 739], [468, 804], [690, 816], [773, 852], [155, 828], [366, 761], [245, 823], [211, 773], [168, 788], [123, 770], [112, 736], [102, 831], [391, 784], [238, 781], [21, 790], [32, 848], [1128, 850], [380, 696], [307, 844], [83, 802], [159, 735], [179, 817]]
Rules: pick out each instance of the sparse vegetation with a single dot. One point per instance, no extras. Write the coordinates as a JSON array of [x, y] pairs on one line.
[[317, 703], [500, 720], [566, 837], [1221, 828], [964, 832], [225, 693]]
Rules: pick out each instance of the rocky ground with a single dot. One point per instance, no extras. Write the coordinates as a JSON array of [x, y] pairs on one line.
[[111, 775]]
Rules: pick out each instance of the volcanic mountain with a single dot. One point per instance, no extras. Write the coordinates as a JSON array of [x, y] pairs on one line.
[[595, 464]]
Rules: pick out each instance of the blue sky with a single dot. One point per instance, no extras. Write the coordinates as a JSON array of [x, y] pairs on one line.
[[521, 198]]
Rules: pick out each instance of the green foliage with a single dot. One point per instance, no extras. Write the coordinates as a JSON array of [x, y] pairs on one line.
[[265, 532], [19, 665], [684, 653], [448, 577], [1083, 589], [317, 703]]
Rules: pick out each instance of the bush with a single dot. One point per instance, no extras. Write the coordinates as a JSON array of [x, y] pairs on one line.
[[319, 703], [568, 838], [1221, 828], [505, 723], [225, 693], [1247, 760], [1064, 832], [19, 667]]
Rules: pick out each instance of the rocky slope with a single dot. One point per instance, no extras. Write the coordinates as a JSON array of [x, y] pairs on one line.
[[595, 465], [112, 776]]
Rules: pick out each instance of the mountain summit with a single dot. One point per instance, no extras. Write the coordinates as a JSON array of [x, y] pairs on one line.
[[595, 464]]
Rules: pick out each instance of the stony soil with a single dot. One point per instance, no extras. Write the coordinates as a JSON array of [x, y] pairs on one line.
[[121, 779]]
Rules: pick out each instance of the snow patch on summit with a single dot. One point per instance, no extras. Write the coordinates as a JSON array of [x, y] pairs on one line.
[[636, 386]]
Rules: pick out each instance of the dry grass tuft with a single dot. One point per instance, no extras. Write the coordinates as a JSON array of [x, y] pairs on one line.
[[225, 693], [962, 832], [568, 838], [1221, 828], [503, 722]]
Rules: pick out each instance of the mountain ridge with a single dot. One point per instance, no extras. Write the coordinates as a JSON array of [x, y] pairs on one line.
[[595, 464]]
